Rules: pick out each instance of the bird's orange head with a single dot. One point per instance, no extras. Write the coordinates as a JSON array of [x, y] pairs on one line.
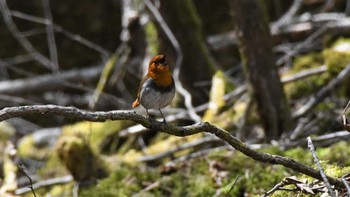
[[159, 71]]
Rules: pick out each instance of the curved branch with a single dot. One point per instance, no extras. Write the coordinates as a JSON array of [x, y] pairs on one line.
[[101, 116]]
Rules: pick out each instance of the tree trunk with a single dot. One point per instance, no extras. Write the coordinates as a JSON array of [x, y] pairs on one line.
[[198, 65], [255, 45]]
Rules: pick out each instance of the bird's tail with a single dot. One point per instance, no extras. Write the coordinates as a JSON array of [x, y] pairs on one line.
[[135, 103]]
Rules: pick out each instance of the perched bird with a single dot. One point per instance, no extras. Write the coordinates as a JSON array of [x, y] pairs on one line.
[[157, 88]]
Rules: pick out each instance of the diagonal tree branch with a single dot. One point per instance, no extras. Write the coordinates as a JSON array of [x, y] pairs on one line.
[[101, 116]]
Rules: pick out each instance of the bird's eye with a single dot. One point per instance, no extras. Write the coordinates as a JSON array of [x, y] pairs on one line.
[[162, 61]]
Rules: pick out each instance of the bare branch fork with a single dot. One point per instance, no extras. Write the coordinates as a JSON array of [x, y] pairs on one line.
[[101, 116]]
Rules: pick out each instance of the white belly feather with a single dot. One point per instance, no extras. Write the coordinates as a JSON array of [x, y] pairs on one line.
[[150, 98]]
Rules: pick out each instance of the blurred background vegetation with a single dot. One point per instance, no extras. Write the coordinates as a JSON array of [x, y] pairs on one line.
[[269, 72]]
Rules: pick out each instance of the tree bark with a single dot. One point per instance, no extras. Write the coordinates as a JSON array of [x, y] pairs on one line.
[[255, 45], [198, 65]]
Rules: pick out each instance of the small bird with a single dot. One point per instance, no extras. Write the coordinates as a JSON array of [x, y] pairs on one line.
[[157, 88]]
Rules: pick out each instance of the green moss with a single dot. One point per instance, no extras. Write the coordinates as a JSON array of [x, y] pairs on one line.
[[300, 154], [76, 155], [195, 178], [6, 131], [306, 86], [338, 153], [336, 58], [125, 181], [52, 168], [95, 132], [27, 148]]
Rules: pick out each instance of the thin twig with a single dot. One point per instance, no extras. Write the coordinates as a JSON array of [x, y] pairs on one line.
[[21, 39], [8, 62], [22, 168], [300, 46], [101, 116], [103, 52], [323, 175], [179, 58], [50, 35], [304, 74], [346, 186], [276, 187], [233, 185]]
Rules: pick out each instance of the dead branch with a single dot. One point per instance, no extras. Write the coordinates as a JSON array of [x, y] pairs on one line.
[[45, 183], [101, 116], [345, 120], [299, 186], [104, 53], [301, 25], [346, 184], [51, 41], [289, 14], [304, 74], [25, 43], [323, 175], [48, 82], [322, 140]]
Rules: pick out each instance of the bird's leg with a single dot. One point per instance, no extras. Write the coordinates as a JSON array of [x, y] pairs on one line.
[[149, 117], [164, 121]]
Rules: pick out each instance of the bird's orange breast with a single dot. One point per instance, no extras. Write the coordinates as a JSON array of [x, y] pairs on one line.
[[161, 75]]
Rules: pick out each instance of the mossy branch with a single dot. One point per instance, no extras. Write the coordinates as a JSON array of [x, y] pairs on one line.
[[100, 116]]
